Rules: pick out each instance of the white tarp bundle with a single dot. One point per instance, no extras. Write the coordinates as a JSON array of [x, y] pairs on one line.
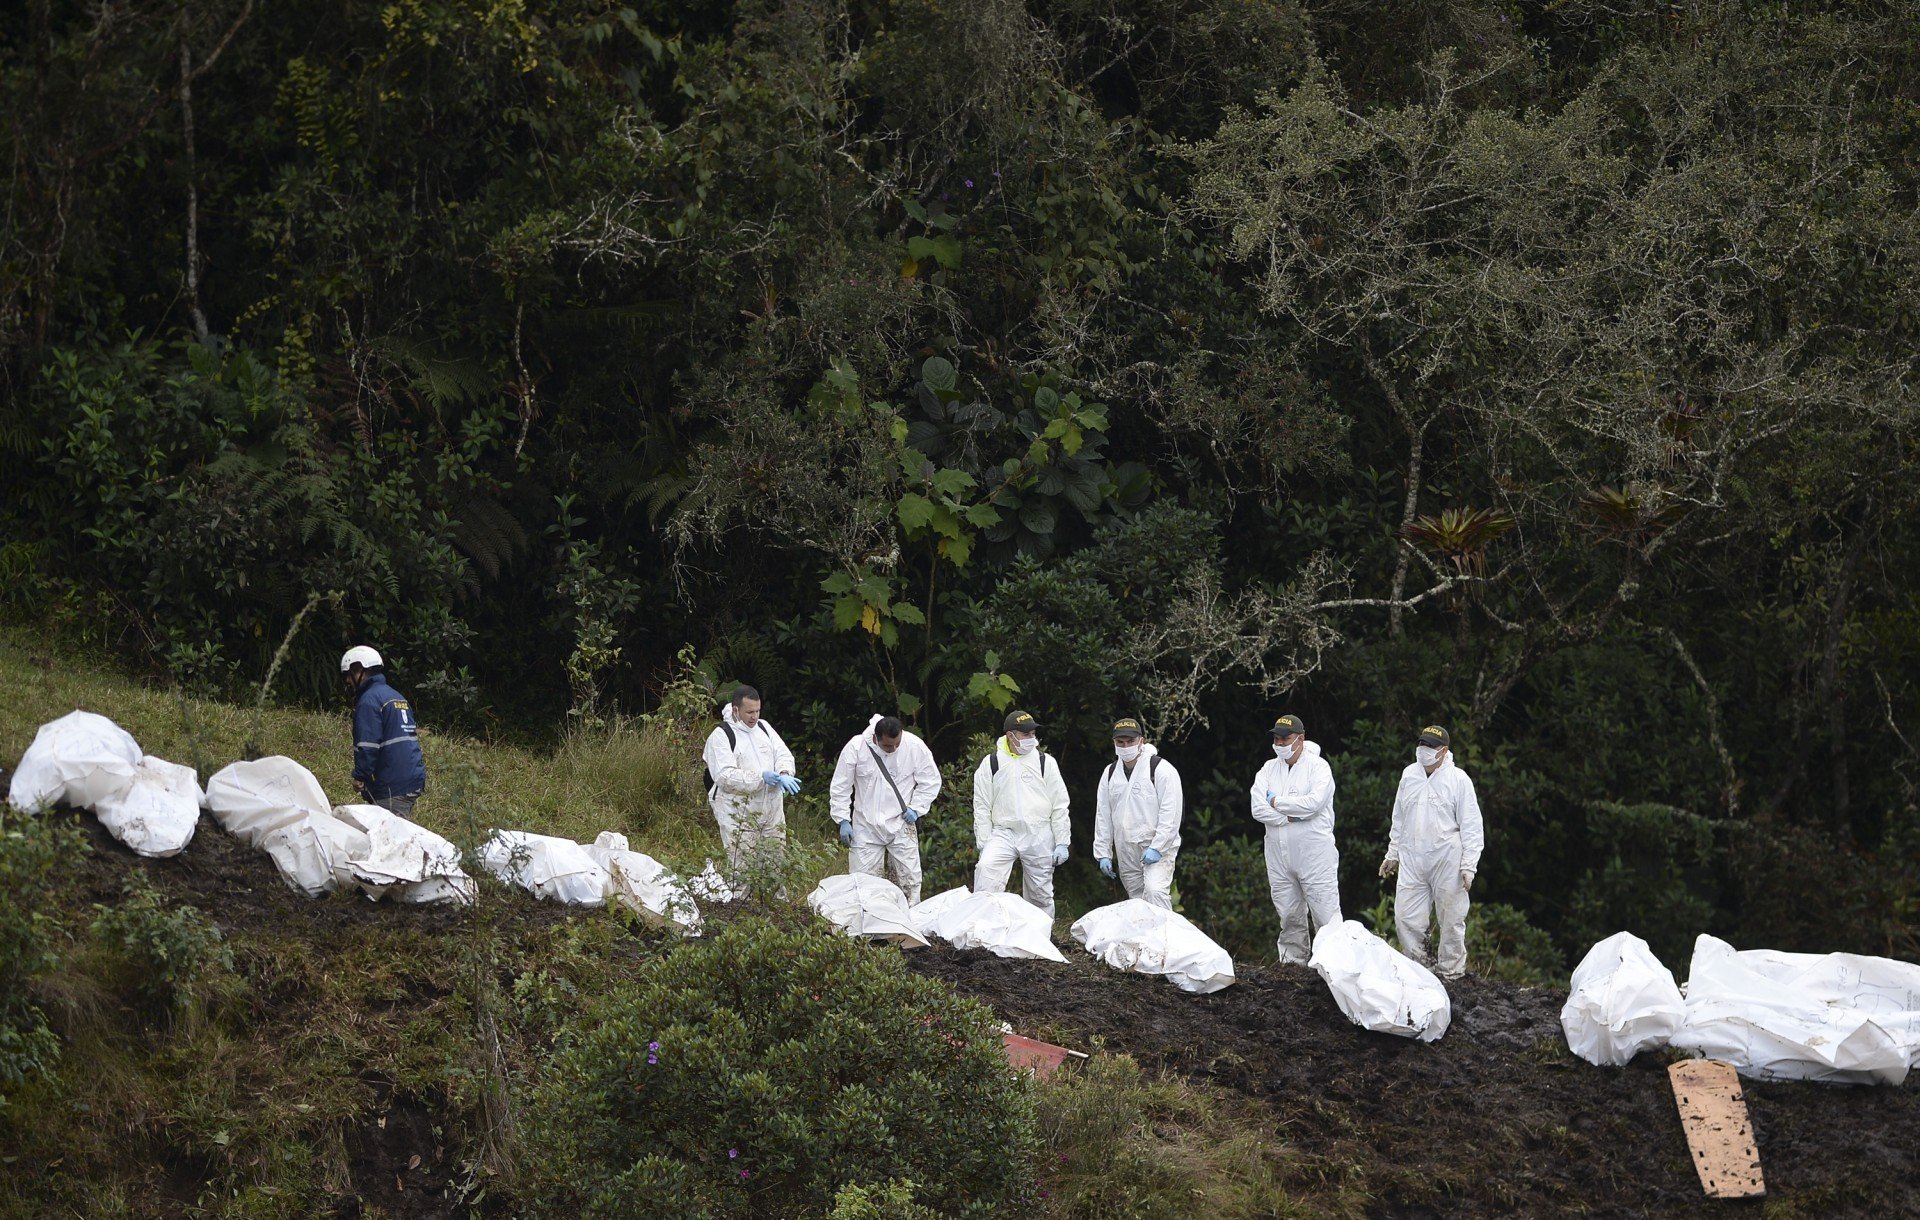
[[1136, 935], [158, 812], [251, 800], [709, 886], [276, 805], [546, 866], [1005, 924], [81, 759], [315, 854], [1623, 1002], [1837, 1017], [860, 904], [404, 860], [643, 884], [1378, 987]]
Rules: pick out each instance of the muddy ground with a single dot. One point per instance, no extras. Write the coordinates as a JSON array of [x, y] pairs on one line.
[[1495, 1119]]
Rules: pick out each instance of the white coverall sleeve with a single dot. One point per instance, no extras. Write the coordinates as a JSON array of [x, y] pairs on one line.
[[783, 757], [1397, 820], [1262, 811], [923, 787], [1057, 792], [983, 802], [1318, 794], [1473, 831], [840, 791], [1173, 801], [1102, 818], [725, 769]]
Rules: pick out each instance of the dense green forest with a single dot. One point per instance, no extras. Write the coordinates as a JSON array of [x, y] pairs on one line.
[[1544, 369]]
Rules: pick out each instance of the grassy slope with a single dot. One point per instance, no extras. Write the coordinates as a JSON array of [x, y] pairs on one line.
[[620, 782], [362, 1059]]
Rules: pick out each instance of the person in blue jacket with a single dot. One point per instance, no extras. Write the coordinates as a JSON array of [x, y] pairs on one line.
[[388, 770]]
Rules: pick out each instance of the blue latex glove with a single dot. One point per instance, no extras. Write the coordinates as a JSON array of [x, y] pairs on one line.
[[771, 779], [911, 815], [789, 783], [846, 833], [1106, 868], [1150, 856], [1060, 855]]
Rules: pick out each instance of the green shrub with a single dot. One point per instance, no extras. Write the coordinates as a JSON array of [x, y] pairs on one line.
[[35, 853], [1502, 945], [763, 1072], [1223, 889], [164, 952]]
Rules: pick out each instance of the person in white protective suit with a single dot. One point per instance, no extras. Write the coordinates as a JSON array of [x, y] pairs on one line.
[[1019, 814], [1136, 816], [1293, 799], [752, 773], [1435, 846], [883, 785]]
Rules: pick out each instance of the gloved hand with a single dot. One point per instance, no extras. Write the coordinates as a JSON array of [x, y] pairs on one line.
[[1106, 868], [1060, 855], [1149, 856], [1466, 878], [771, 779], [846, 833], [789, 784], [911, 815], [1388, 867]]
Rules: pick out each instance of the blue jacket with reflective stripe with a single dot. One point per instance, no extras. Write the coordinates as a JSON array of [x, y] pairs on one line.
[[386, 742]]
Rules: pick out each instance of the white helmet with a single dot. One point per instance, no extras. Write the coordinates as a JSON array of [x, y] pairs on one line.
[[360, 655]]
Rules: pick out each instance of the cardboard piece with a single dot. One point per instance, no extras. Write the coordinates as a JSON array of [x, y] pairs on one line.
[[1713, 1112]]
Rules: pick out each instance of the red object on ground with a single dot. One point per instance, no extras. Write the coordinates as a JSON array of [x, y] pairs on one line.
[[1040, 1058]]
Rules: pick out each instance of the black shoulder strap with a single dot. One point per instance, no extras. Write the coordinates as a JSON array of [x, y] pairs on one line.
[[728, 730], [993, 762], [1107, 774], [881, 762], [1153, 769]]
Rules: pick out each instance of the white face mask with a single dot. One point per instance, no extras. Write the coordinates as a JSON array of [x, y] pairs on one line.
[[1126, 753], [1283, 753], [1426, 756], [1025, 745]]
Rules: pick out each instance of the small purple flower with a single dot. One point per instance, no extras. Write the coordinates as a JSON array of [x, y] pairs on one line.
[[732, 1153], [996, 173], [653, 1046], [745, 1174], [969, 184]]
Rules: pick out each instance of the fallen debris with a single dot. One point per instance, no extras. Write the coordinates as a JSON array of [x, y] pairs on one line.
[[1713, 1112]]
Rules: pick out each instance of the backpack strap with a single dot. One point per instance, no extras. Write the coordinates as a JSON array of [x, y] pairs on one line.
[[993, 762], [728, 730]]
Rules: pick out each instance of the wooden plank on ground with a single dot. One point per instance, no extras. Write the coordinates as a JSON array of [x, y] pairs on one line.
[[1713, 1111]]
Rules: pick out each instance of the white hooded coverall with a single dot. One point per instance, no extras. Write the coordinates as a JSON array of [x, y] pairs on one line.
[[1019, 813], [1437, 834], [861, 793], [1303, 865], [1132, 812], [751, 814]]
